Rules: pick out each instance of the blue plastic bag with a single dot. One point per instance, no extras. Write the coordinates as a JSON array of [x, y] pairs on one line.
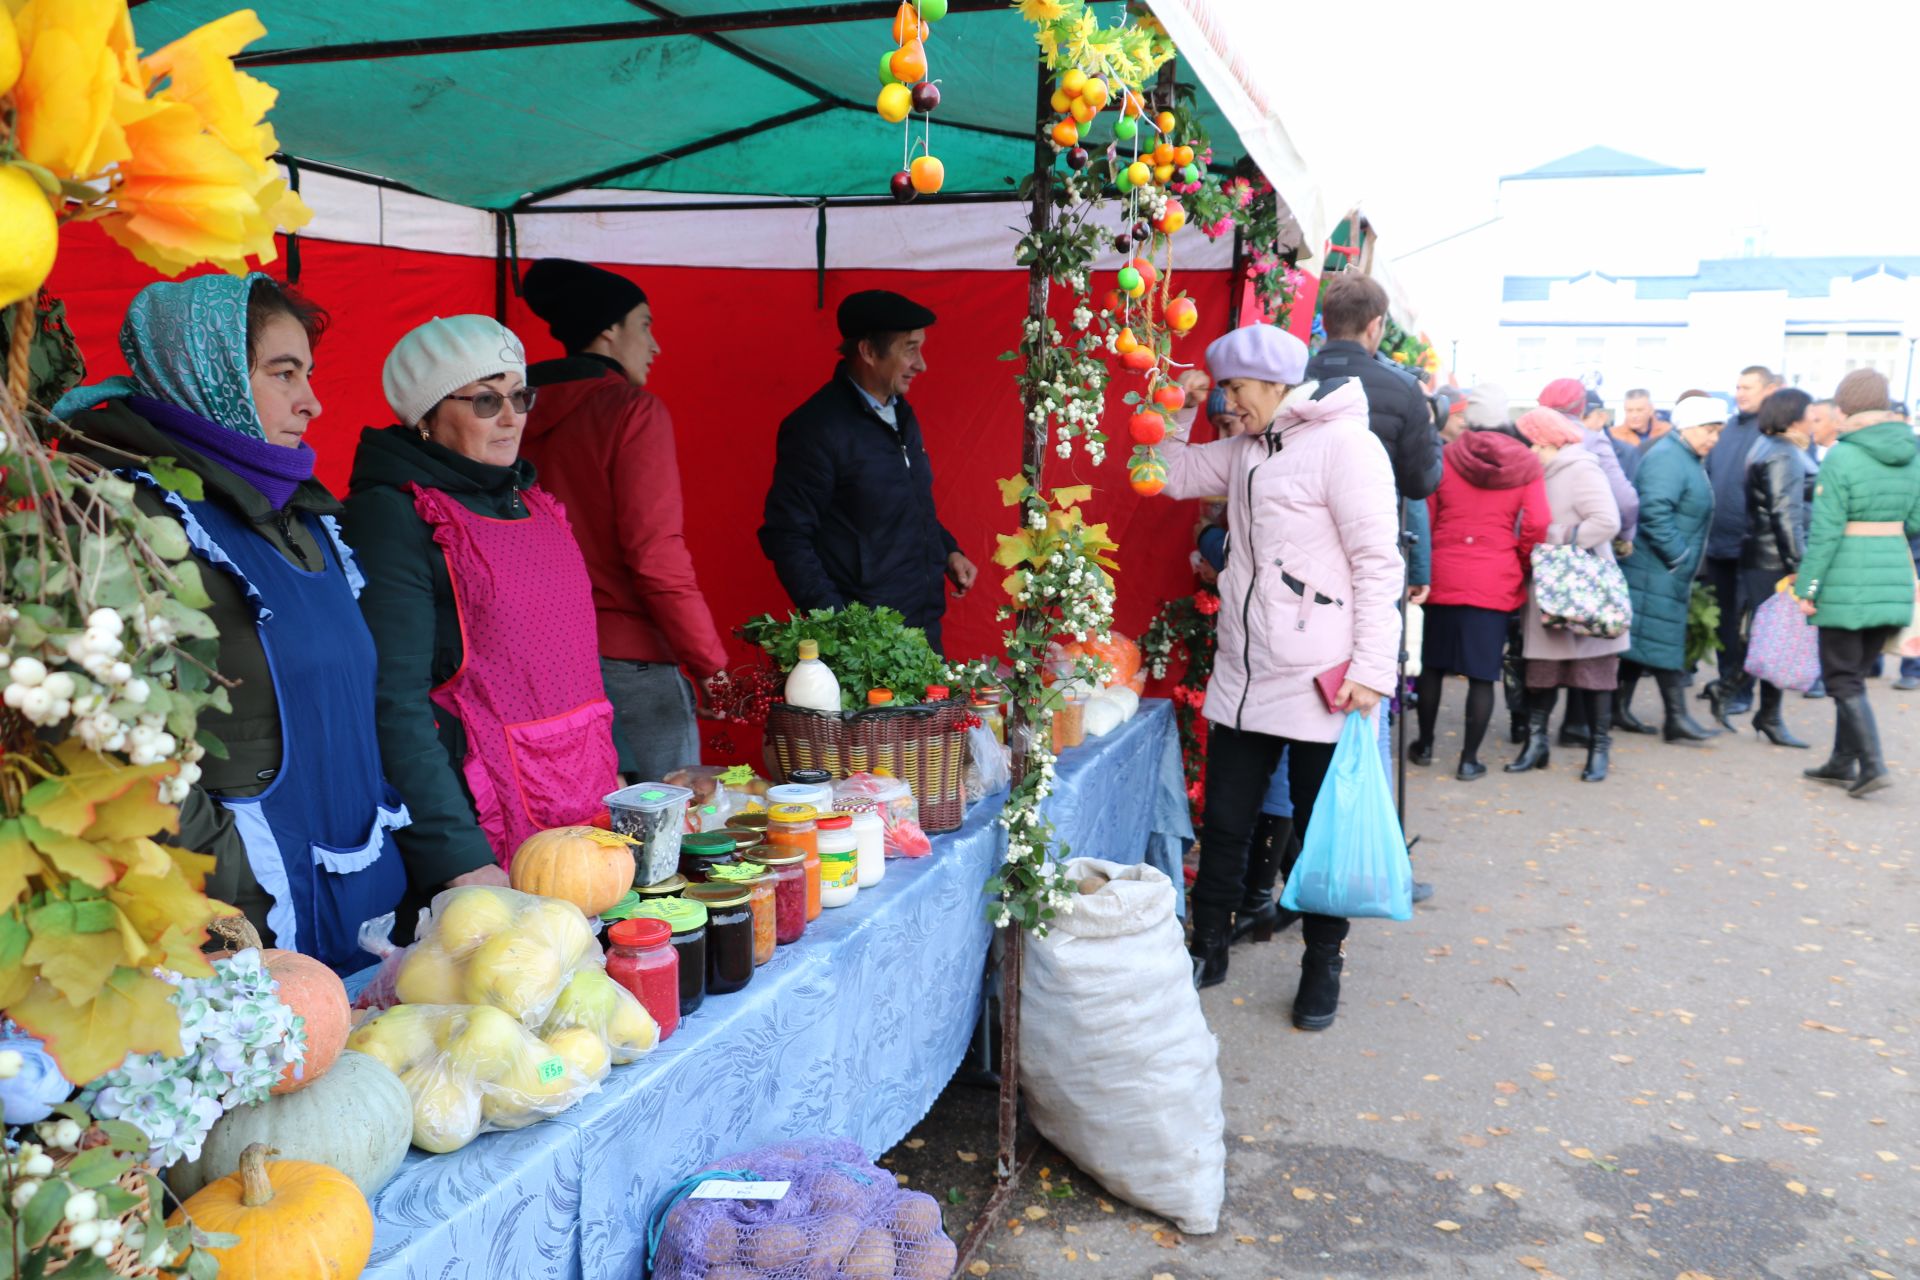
[[1354, 861]]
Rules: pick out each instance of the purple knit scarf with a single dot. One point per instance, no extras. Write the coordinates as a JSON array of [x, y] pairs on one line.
[[275, 470]]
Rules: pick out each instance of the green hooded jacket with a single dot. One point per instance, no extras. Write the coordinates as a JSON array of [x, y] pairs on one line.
[[1860, 581]]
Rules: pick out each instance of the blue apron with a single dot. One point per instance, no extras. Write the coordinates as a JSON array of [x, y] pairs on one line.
[[317, 837]]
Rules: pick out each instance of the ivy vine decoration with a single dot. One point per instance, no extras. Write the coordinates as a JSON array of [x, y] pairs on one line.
[[1061, 584], [1185, 629]]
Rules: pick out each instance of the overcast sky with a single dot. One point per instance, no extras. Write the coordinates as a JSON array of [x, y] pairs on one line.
[[1808, 127]]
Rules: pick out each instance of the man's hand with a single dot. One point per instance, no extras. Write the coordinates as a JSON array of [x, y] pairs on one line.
[[1418, 595], [961, 573], [1356, 697], [492, 874], [708, 690]]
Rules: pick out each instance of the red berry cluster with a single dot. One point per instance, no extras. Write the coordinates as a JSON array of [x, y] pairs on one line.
[[749, 695]]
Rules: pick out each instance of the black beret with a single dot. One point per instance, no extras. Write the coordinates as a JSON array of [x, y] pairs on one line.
[[878, 311], [578, 300]]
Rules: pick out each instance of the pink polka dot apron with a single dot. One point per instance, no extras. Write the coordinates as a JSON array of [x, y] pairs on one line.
[[528, 692]]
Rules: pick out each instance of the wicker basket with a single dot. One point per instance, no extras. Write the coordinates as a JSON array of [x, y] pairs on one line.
[[924, 746], [125, 1259]]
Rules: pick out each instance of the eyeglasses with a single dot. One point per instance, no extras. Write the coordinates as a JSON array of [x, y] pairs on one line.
[[487, 404]]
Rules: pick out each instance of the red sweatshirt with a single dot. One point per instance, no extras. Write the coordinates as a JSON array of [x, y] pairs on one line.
[[605, 448]]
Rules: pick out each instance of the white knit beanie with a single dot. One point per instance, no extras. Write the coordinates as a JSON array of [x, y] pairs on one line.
[[443, 355]]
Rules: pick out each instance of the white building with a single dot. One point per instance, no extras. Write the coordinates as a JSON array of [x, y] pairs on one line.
[[1623, 272]]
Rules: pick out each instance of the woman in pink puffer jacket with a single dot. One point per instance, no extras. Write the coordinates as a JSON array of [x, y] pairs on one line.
[[1313, 580]]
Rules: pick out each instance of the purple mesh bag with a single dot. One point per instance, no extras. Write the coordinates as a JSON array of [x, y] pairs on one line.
[[842, 1219]]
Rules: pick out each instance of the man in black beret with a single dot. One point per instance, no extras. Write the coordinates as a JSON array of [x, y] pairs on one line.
[[604, 445], [850, 513]]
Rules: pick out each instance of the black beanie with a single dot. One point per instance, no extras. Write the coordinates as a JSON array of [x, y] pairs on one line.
[[578, 300]]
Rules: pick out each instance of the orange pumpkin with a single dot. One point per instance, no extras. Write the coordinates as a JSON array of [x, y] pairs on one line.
[[311, 990], [591, 868], [293, 1218]]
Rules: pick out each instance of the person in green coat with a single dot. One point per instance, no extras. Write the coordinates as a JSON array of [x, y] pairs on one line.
[[1676, 510], [1857, 580]]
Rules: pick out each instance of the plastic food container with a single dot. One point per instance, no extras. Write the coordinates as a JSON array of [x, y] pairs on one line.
[[869, 840], [643, 960], [759, 879], [701, 851], [729, 935], [1070, 722], [789, 891], [652, 813], [839, 859], [815, 795], [688, 920]]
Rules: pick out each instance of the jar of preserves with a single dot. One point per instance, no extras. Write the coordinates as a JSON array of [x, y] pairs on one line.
[[789, 891], [1070, 722], [988, 705], [671, 887], [688, 920], [759, 880], [703, 850], [642, 959], [729, 935], [792, 826], [749, 828], [869, 840]]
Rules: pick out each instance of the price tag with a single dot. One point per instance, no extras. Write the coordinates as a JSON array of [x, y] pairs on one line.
[[728, 1189], [552, 1069]]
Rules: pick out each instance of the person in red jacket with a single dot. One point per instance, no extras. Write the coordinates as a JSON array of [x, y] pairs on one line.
[[603, 445], [1489, 511]]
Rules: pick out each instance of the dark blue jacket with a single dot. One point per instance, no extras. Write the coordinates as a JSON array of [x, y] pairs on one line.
[[850, 513], [1727, 472], [1398, 411]]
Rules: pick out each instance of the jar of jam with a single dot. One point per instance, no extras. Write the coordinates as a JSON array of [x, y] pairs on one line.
[[839, 860], [643, 960], [791, 826], [729, 935], [701, 851], [757, 878], [789, 891], [688, 920], [748, 828]]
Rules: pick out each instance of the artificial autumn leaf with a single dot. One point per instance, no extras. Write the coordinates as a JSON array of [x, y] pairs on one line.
[[69, 802], [70, 855], [1014, 549], [133, 1013], [181, 950], [137, 811], [1071, 494], [1013, 490], [140, 856], [156, 904], [18, 861], [73, 956]]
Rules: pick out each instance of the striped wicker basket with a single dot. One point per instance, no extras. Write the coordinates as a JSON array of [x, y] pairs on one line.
[[924, 746], [125, 1259]]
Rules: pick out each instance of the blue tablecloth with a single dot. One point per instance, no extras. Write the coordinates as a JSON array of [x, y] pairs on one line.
[[852, 1032]]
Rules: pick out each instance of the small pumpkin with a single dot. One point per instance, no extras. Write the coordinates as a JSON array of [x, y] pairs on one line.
[[311, 990], [591, 868], [295, 1219], [357, 1118]]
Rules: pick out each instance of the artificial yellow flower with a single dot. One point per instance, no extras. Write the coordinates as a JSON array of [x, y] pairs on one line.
[[75, 57], [1037, 11], [9, 51], [200, 74], [1080, 40]]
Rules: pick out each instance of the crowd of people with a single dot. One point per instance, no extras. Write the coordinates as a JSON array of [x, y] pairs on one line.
[[1553, 549]]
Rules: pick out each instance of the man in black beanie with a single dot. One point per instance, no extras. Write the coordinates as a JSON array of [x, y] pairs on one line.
[[850, 513], [604, 446]]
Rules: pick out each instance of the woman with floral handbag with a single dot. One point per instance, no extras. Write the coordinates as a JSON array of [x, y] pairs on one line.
[[1575, 622]]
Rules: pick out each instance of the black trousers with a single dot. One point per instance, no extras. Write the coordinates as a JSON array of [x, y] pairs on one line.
[[1846, 659], [1239, 766], [1723, 577]]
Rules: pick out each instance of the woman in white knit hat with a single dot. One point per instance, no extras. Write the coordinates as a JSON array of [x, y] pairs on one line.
[[491, 710], [1312, 583]]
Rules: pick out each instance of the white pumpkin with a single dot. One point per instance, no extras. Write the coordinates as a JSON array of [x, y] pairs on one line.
[[357, 1118]]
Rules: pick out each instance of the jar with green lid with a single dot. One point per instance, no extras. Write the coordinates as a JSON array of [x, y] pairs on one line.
[[729, 934], [688, 920], [789, 891], [700, 851], [760, 879]]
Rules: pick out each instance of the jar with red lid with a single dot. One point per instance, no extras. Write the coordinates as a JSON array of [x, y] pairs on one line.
[[643, 960], [789, 891]]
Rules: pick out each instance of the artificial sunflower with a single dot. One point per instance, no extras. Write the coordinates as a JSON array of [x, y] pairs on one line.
[[75, 56]]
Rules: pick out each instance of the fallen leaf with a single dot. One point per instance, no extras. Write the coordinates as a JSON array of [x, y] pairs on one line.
[[1508, 1190], [1622, 1058], [1506, 1087], [1248, 1239], [1447, 1224], [1301, 1193], [1811, 1025], [1594, 1237], [1104, 1206], [1797, 1128], [1724, 1158], [981, 1268], [965, 1157], [1798, 1188], [1887, 1156], [914, 1144], [1581, 1153], [1473, 1140]]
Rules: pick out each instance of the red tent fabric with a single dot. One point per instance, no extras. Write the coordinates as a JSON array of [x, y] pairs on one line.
[[740, 349]]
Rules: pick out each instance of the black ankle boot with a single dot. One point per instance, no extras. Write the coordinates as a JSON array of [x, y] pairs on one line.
[[1769, 721], [1212, 931], [1679, 725], [1843, 765], [1600, 745], [1866, 742], [1576, 729], [1318, 997], [1420, 752], [1537, 754], [1260, 913], [1623, 717]]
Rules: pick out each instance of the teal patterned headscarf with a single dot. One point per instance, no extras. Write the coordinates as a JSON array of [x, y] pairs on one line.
[[186, 344]]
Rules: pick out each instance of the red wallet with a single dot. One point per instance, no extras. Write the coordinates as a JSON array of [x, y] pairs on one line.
[[1328, 682]]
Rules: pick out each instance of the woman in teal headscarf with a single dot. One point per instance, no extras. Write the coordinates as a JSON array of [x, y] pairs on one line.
[[298, 813]]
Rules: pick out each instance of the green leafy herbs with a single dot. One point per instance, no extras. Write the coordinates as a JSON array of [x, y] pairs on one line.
[[865, 648]]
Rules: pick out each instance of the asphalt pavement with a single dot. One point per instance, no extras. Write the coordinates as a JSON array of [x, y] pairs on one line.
[[1661, 1026]]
